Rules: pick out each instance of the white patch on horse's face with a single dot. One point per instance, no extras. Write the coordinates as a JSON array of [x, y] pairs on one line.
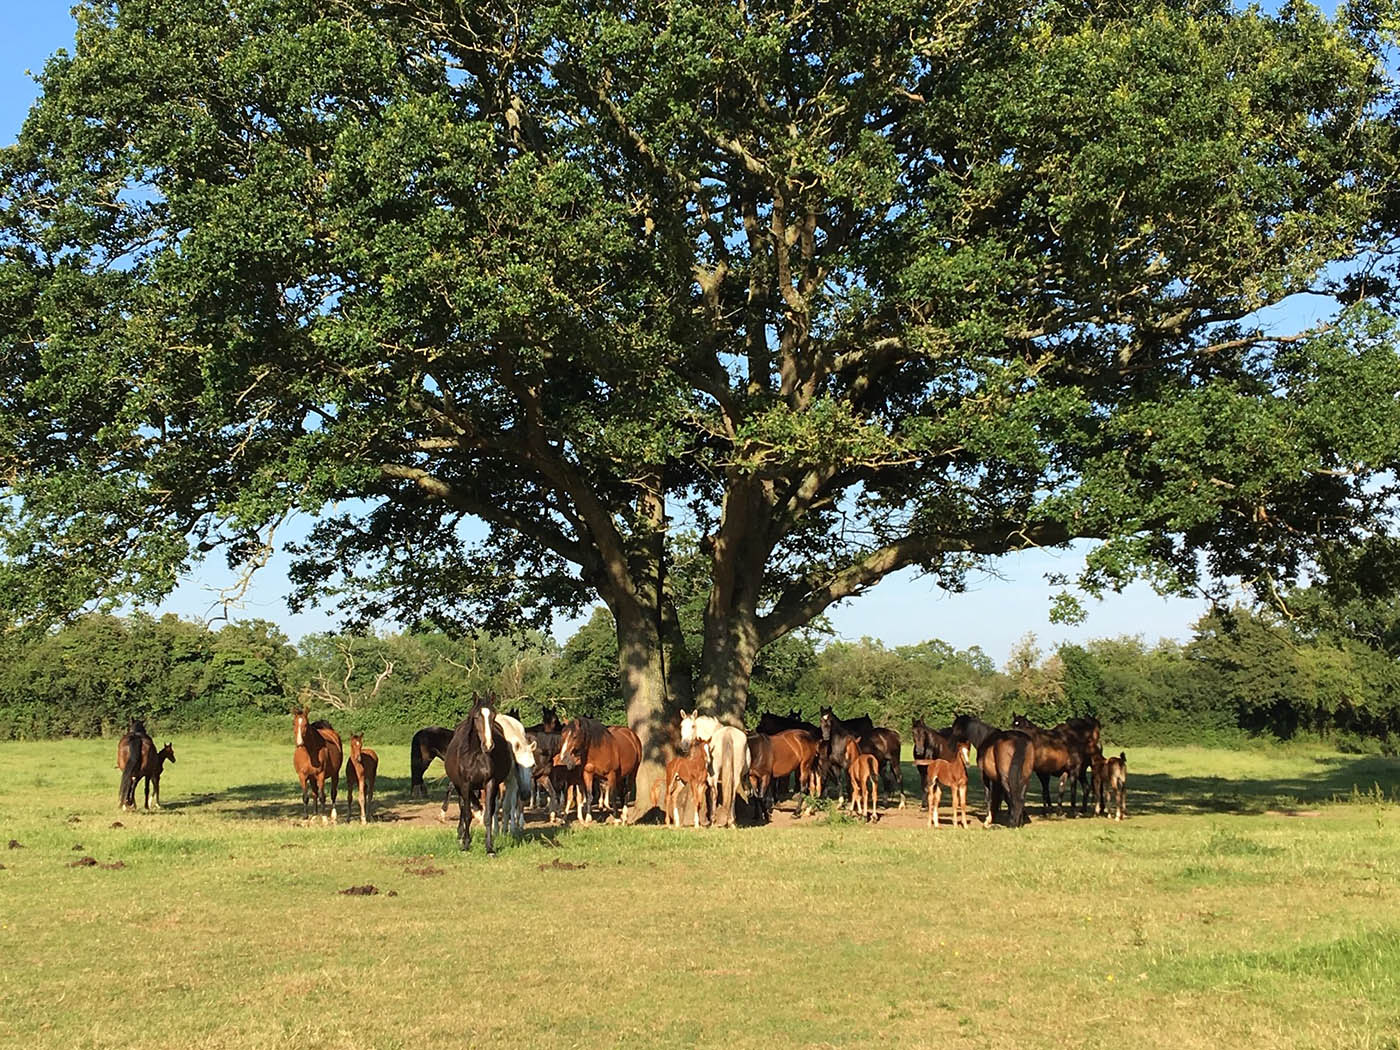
[[486, 726]]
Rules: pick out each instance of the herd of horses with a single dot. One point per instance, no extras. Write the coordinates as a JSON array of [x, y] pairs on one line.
[[494, 764]]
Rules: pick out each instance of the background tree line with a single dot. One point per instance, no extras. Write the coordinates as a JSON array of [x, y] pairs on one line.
[[1243, 672]]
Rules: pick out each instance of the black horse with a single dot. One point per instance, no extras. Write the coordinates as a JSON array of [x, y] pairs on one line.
[[478, 757], [429, 743], [1005, 760], [545, 737], [1066, 752]]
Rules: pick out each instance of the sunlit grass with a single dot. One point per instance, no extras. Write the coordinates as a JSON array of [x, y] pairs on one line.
[[1239, 906]]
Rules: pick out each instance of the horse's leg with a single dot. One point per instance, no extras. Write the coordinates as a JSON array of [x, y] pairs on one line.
[[464, 821], [1045, 790], [446, 795], [335, 782], [364, 802], [156, 787]]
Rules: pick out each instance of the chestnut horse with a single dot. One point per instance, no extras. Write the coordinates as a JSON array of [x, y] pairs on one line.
[[1005, 760], [864, 770], [428, 743], [360, 770], [316, 758], [729, 759], [884, 744], [610, 753], [151, 762], [930, 743], [692, 771], [772, 758], [478, 760], [953, 772]]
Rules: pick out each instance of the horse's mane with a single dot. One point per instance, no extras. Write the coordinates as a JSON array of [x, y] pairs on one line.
[[594, 732]]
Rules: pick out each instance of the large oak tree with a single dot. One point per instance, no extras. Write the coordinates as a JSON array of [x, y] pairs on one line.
[[839, 288]]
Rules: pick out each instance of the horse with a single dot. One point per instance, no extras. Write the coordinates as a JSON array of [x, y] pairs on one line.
[[953, 772], [149, 764], [130, 751], [884, 744], [610, 753], [773, 758], [478, 758], [1054, 757], [770, 724], [316, 758], [428, 743], [1005, 759], [544, 745], [692, 771], [361, 765], [929, 743], [864, 770], [1110, 774], [729, 759], [517, 789]]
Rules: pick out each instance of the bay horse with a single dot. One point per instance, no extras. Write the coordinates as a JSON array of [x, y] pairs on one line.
[[478, 760], [152, 762], [772, 759], [1110, 774], [130, 749], [1005, 759], [884, 744], [863, 769], [770, 724], [930, 743], [360, 769], [612, 754], [691, 771], [316, 758], [428, 743], [729, 759], [544, 738], [1054, 757], [953, 772]]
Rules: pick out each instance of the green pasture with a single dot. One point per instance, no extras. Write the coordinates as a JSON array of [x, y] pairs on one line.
[[1250, 901]]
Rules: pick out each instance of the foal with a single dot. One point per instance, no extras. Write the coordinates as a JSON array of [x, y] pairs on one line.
[[692, 770], [359, 772], [864, 771], [1110, 774], [952, 772]]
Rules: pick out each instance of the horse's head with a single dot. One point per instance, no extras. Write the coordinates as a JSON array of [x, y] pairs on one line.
[[138, 726], [486, 729], [357, 743], [549, 720], [1020, 721], [826, 723], [573, 746], [688, 729], [300, 723], [167, 753], [962, 754]]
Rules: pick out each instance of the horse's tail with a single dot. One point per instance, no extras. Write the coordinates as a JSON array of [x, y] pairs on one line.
[[130, 772], [416, 765], [1017, 777]]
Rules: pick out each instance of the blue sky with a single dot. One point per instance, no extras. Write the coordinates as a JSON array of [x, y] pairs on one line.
[[994, 613]]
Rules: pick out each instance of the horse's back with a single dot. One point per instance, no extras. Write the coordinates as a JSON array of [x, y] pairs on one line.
[[627, 749]]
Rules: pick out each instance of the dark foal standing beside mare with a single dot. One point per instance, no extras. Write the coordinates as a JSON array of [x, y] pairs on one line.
[[428, 743], [1005, 759], [316, 758], [360, 769], [479, 760]]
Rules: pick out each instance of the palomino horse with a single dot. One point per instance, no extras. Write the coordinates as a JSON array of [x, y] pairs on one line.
[[316, 758], [864, 771], [429, 743], [729, 760], [612, 754], [478, 760], [1110, 774], [1054, 757], [1005, 760], [130, 751], [690, 771], [953, 772], [360, 770]]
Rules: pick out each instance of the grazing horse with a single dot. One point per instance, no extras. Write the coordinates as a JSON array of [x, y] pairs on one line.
[[130, 751], [478, 760], [1005, 760], [953, 772], [316, 758], [729, 759], [1110, 774], [864, 770], [360, 770], [612, 754], [428, 743], [693, 772], [930, 743], [1054, 757]]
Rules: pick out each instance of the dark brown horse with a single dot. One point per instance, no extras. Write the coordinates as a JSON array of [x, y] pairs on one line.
[[150, 762], [612, 754], [1056, 757], [478, 761], [130, 749], [1005, 760], [429, 743], [360, 769], [316, 758]]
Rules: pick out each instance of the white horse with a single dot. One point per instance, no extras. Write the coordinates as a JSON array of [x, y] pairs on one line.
[[518, 787], [729, 759]]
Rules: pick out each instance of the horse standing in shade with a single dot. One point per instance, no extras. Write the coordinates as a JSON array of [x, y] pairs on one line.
[[612, 754], [517, 789], [773, 758], [691, 771], [930, 743], [360, 770], [1054, 757], [478, 760], [316, 759], [1005, 760], [429, 743], [771, 725], [729, 760], [884, 744]]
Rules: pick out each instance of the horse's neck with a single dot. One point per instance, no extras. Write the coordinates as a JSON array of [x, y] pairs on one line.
[[706, 727]]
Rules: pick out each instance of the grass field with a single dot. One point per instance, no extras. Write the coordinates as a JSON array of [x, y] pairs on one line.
[[1251, 900]]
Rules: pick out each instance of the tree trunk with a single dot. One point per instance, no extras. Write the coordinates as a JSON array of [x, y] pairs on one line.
[[731, 648], [653, 698]]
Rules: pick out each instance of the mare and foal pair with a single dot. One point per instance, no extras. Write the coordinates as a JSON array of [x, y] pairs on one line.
[[138, 759], [317, 759]]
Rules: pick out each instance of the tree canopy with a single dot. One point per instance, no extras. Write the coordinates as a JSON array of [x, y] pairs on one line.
[[837, 288]]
